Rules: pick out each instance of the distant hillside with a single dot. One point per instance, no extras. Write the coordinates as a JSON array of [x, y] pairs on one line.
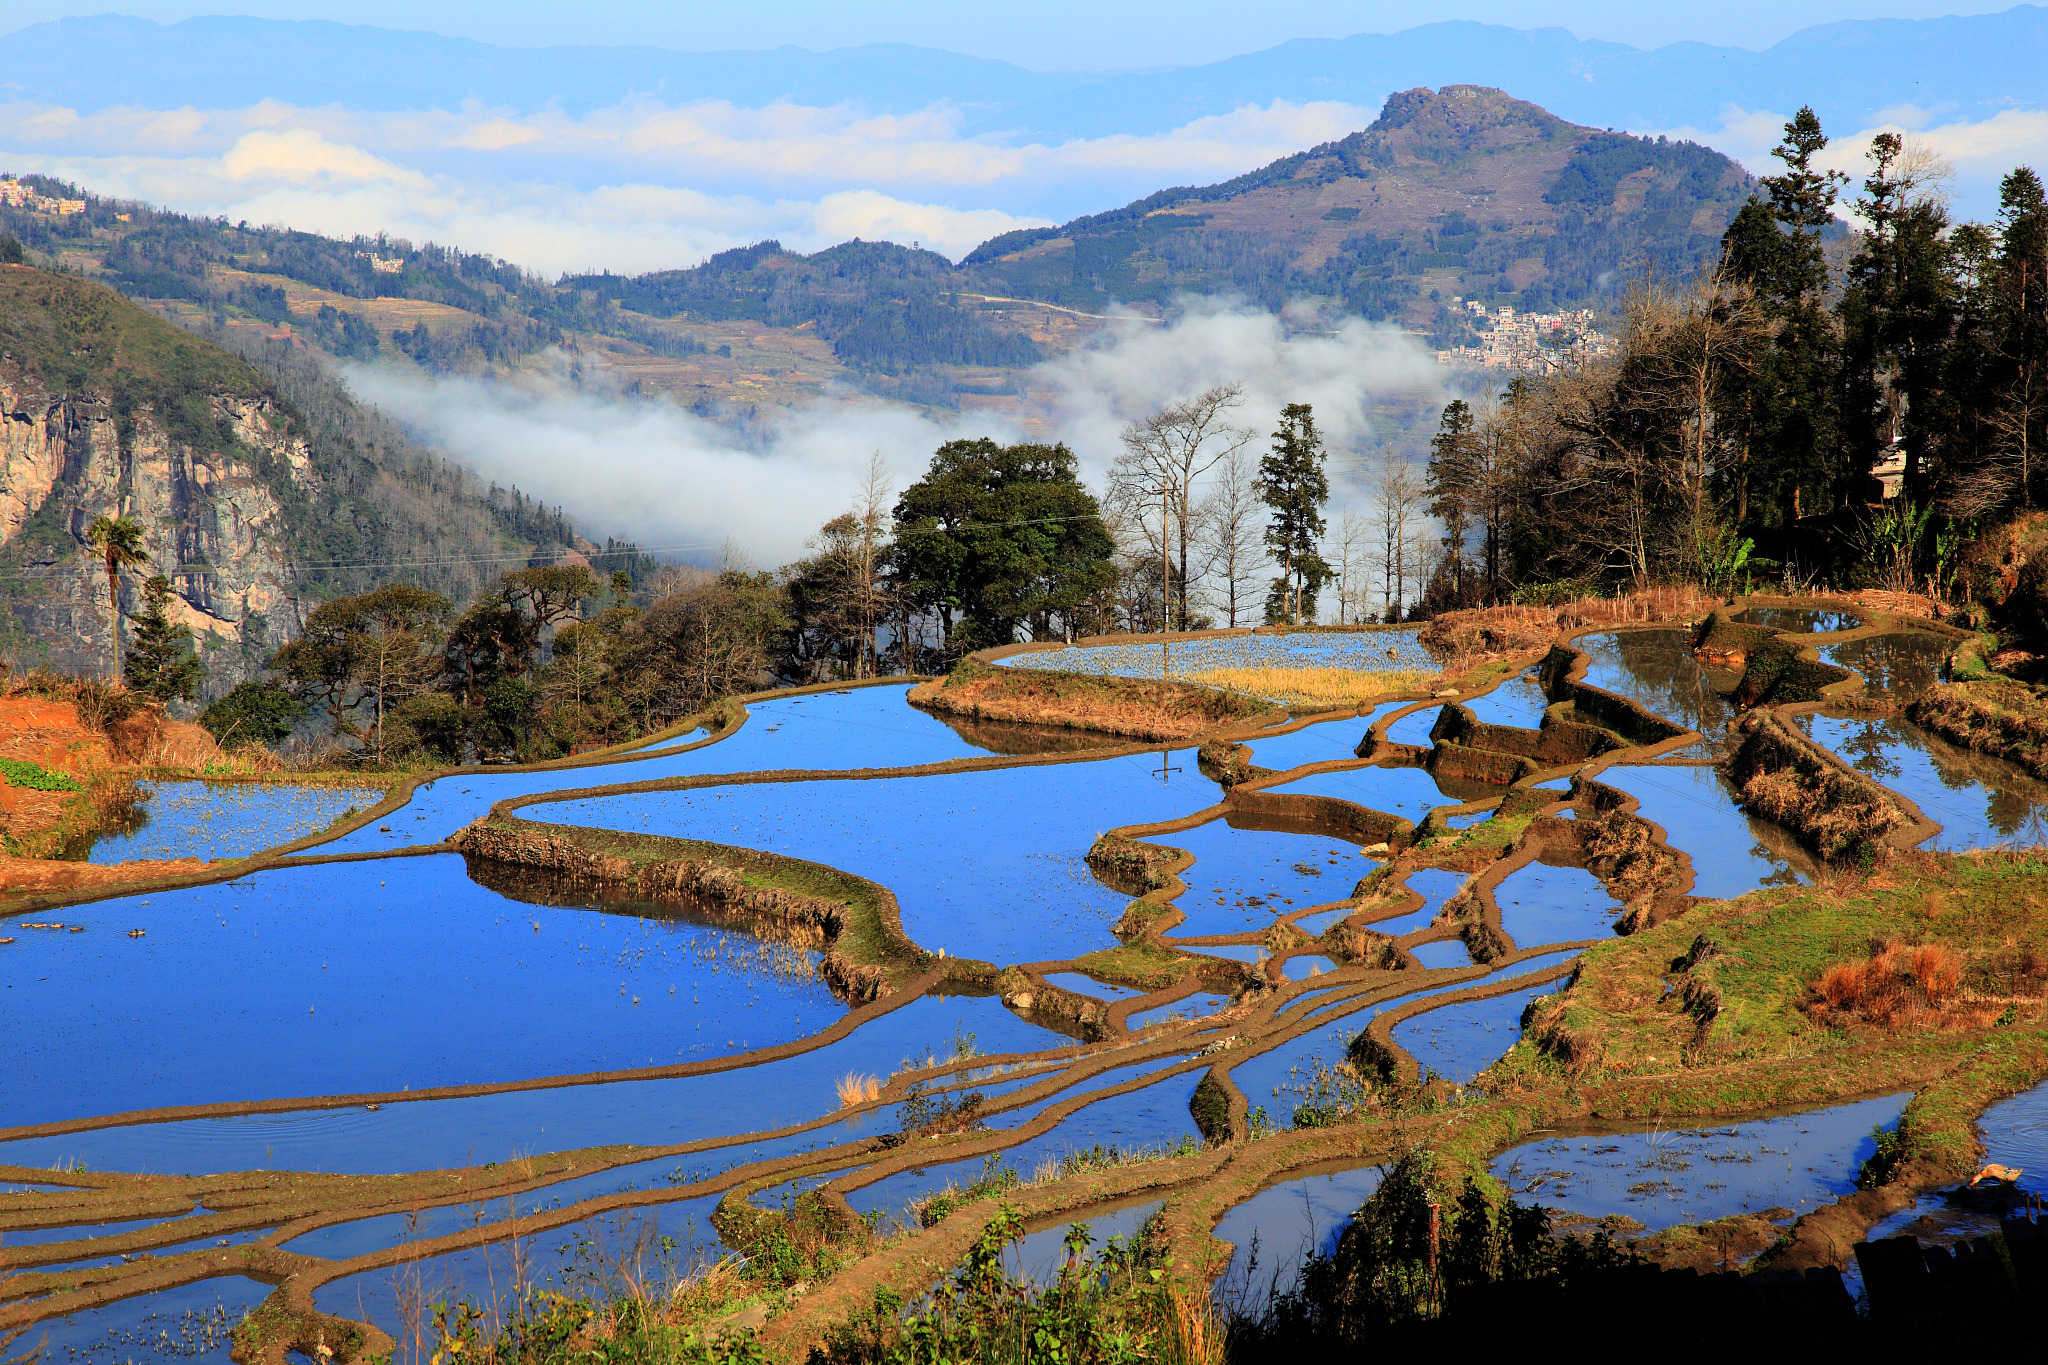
[[1459, 192], [260, 485], [1462, 191]]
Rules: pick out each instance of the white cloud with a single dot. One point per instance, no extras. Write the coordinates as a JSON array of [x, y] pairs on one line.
[[1982, 151], [653, 471], [638, 186]]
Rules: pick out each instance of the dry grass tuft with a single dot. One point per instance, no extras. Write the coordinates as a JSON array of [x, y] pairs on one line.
[[853, 1088], [1464, 637], [1326, 687], [1902, 986]]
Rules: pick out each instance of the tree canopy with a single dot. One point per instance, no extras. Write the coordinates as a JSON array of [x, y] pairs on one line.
[[994, 538]]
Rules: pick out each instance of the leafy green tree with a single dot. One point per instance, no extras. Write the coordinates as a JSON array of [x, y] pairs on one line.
[[374, 650], [10, 250], [994, 538], [162, 661], [259, 712], [119, 542], [1292, 483]]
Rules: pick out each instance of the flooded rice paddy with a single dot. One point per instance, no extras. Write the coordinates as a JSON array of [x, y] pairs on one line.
[[226, 819], [1799, 620], [1368, 651], [563, 1020], [1695, 1175], [1980, 802]]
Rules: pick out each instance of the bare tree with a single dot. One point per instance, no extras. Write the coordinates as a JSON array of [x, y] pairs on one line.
[[1154, 479], [1354, 577], [1396, 502], [1232, 518]]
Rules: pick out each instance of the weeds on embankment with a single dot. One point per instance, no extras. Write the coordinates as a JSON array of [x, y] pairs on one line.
[[1318, 688]]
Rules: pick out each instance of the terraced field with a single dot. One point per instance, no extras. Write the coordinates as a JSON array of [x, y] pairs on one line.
[[841, 959]]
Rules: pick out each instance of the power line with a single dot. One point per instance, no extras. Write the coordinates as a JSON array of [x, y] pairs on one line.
[[301, 569]]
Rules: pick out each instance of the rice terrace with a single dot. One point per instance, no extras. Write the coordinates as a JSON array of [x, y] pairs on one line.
[[1652, 915]]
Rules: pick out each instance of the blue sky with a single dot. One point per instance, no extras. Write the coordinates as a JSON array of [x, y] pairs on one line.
[[643, 159], [1048, 35]]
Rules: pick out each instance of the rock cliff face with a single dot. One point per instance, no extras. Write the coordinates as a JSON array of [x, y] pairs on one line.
[[212, 523], [260, 491]]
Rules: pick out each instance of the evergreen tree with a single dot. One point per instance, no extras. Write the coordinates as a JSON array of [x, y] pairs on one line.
[[1453, 482], [1293, 484], [1783, 406], [1898, 312], [162, 662]]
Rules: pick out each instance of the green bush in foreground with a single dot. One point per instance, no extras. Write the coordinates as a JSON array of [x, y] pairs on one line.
[[21, 773]]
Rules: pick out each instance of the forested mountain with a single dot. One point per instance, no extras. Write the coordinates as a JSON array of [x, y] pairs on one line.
[[1459, 192], [259, 485]]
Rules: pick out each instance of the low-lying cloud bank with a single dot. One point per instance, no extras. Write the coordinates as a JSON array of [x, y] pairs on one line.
[[679, 482]]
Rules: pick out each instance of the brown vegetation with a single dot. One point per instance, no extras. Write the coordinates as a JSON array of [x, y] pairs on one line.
[[1463, 637], [1900, 986], [1146, 709], [2007, 720], [1787, 778]]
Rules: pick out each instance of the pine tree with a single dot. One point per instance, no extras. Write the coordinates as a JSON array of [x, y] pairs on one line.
[[1453, 478], [1785, 406], [1293, 484], [161, 661]]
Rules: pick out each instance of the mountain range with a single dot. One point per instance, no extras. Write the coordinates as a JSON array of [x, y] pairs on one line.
[[1852, 72], [1460, 195]]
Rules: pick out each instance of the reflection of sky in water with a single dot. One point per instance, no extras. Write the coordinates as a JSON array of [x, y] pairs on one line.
[[1414, 727], [1459, 1041], [227, 819], [1798, 620], [1155, 1116], [1699, 1174], [1518, 701], [1362, 650], [1289, 1221], [479, 1273], [1326, 742], [1696, 807], [1656, 669], [1900, 664], [2015, 1133], [984, 864], [1305, 965], [1040, 1255], [1435, 885], [1445, 953], [865, 727], [1187, 1007], [128, 1330], [1980, 801], [1088, 985], [1407, 792], [430, 1134], [373, 976], [1541, 904], [1245, 879]]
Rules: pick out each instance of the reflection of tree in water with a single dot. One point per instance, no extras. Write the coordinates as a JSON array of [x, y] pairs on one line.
[[1656, 669], [1899, 664], [1870, 745], [2015, 806]]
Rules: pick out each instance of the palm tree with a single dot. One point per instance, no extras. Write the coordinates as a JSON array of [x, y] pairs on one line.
[[119, 541]]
